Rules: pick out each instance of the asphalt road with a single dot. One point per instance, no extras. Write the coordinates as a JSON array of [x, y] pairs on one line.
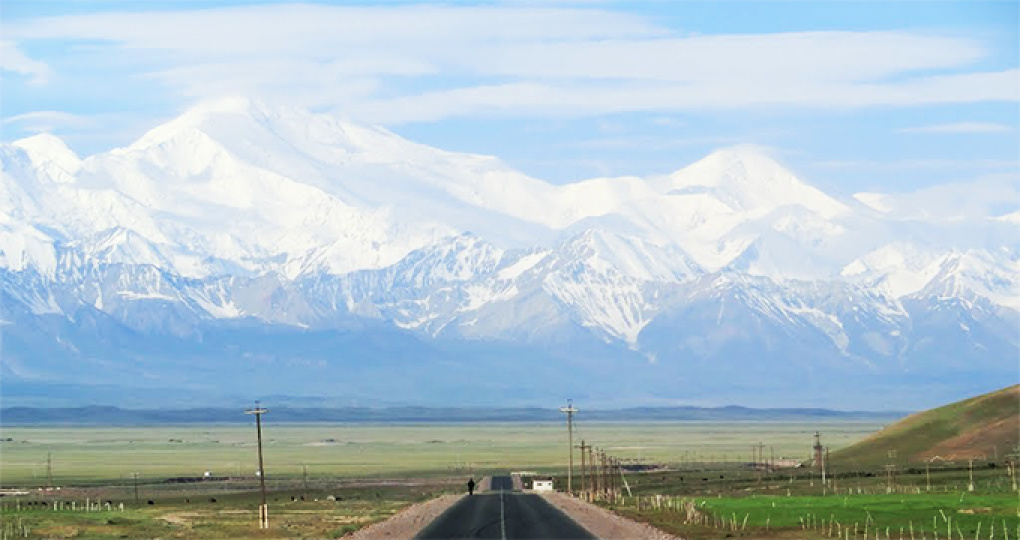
[[501, 513]]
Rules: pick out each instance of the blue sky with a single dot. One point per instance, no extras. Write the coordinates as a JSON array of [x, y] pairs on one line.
[[887, 96]]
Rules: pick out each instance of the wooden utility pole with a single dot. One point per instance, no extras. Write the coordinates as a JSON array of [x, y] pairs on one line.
[[135, 477], [49, 469], [593, 468], [605, 475], [761, 459], [570, 410], [828, 464], [819, 457], [583, 492], [263, 508], [614, 482], [304, 479]]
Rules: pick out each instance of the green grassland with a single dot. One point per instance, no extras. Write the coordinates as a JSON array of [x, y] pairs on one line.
[[190, 514], [102, 455], [373, 469], [840, 516], [732, 501]]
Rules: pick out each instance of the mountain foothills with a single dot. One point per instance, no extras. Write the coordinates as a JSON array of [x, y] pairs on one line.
[[985, 427], [245, 250]]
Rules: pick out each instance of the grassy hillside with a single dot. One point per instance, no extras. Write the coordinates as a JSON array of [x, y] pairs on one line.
[[980, 427]]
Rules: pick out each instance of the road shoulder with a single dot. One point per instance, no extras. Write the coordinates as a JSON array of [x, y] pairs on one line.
[[603, 523], [408, 522]]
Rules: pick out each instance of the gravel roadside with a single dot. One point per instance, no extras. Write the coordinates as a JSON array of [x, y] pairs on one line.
[[408, 522], [603, 523]]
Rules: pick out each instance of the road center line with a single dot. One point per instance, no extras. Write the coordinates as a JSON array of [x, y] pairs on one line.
[[502, 516]]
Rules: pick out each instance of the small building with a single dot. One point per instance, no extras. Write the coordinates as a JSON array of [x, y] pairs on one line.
[[542, 484]]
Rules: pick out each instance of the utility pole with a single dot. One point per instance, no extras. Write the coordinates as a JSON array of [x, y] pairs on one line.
[[819, 457], [605, 474], [828, 464], [49, 469], [889, 477], [304, 479], [263, 508], [761, 459], [970, 485], [612, 477], [134, 475], [594, 472], [570, 410], [927, 476], [583, 492]]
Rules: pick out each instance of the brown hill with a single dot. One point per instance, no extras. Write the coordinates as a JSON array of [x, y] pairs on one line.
[[982, 427]]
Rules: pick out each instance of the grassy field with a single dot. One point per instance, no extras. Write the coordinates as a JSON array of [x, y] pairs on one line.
[[82, 455], [939, 515], [190, 512], [729, 500], [374, 470]]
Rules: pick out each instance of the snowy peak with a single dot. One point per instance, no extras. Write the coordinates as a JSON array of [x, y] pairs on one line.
[[976, 274], [631, 256], [747, 180], [50, 157]]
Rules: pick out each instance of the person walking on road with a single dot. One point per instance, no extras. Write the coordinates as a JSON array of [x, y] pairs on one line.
[[471, 486]]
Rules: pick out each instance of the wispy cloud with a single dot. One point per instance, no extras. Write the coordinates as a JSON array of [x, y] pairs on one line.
[[14, 61], [959, 127], [49, 121], [397, 64], [918, 164]]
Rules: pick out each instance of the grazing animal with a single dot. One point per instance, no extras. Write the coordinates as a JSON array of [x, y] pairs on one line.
[[152, 501], [212, 499]]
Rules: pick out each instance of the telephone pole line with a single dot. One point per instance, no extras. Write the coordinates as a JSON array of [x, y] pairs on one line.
[[263, 508], [570, 410]]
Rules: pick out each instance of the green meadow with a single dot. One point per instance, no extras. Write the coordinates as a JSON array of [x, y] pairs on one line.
[[101, 454]]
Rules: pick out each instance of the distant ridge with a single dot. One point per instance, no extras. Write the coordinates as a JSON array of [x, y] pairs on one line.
[[980, 428], [117, 416]]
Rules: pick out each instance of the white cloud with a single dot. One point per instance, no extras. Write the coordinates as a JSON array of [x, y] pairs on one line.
[[959, 127], [399, 63], [15, 61], [985, 197], [49, 121], [919, 164]]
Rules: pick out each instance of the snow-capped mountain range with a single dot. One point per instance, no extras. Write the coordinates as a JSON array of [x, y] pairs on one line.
[[354, 246]]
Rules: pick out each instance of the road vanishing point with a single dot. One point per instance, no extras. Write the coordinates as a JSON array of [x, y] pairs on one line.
[[504, 514]]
